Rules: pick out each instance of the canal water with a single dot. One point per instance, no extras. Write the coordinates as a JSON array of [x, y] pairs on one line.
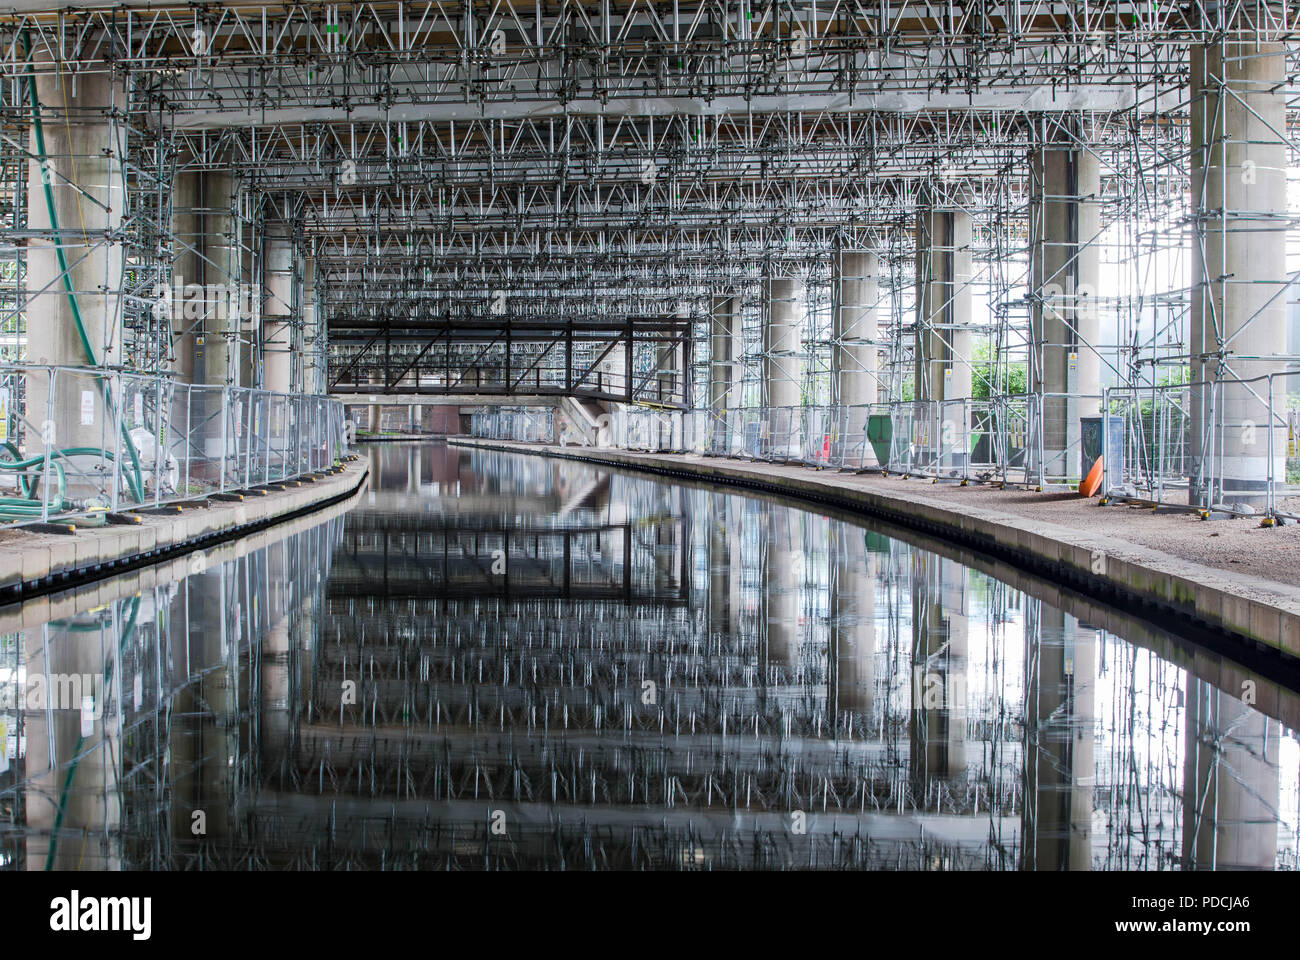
[[491, 660]]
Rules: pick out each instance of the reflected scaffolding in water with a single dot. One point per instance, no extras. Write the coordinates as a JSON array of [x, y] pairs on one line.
[[499, 661]]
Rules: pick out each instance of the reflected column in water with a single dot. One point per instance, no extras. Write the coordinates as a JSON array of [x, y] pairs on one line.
[[273, 718], [781, 585], [1231, 783], [720, 598], [73, 745], [1060, 770], [199, 752], [853, 624], [413, 454], [940, 635]]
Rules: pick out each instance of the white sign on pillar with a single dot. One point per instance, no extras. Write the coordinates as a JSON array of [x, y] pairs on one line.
[[87, 408]]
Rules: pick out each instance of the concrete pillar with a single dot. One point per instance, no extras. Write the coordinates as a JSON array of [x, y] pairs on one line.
[[186, 227], [782, 365], [724, 372], [1239, 303], [943, 338], [83, 149], [1231, 783], [724, 346], [940, 635], [669, 367], [314, 331], [218, 353], [278, 308], [1060, 771], [1064, 220], [854, 354]]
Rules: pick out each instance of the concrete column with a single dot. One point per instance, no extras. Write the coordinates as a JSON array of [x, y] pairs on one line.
[[782, 366], [943, 339], [1064, 220], [724, 376], [218, 354], [669, 368], [278, 307], [1060, 771], [186, 228], [314, 332], [854, 354], [1239, 304], [83, 149], [1231, 783], [724, 341]]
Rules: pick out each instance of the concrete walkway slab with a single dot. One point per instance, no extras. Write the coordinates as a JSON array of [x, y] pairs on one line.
[[33, 564]]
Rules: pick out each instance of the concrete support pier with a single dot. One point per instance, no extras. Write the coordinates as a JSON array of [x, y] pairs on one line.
[[782, 362], [724, 346], [943, 339], [1239, 300], [281, 354], [218, 347], [854, 355], [1064, 364], [75, 203]]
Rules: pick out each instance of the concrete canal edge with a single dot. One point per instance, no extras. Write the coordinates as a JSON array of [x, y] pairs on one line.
[[1255, 616], [33, 564]]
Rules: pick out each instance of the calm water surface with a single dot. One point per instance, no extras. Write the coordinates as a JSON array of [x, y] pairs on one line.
[[499, 661]]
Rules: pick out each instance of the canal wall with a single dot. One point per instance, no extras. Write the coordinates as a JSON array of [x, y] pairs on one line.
[[35, 564], [71, 601], [1240, 615]]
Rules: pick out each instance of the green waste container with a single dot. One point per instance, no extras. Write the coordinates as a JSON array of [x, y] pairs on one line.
[[880, 434]]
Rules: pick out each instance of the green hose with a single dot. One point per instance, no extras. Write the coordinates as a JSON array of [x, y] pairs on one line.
[[134, 481], [26, 505]]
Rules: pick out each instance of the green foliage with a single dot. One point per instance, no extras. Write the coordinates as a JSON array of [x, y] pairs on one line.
[[988, 378]]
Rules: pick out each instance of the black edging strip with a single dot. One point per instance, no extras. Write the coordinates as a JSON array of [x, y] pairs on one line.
[[1270, 662], [21, 591]]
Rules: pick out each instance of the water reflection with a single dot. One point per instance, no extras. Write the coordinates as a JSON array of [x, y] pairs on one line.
[[498, 661]]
